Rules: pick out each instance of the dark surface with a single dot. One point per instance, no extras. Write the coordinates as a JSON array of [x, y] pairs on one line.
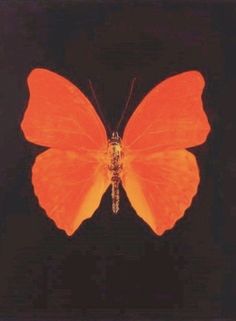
[[115, 266]]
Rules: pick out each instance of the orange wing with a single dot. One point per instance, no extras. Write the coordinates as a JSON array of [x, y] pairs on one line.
[[69, 186], [70, 178], [161, 186], [160, 177], [170, 117], [59, 115]]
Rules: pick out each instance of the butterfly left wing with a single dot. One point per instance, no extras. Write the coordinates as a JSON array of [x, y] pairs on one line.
[[69, 186], [70, 178], [160, 176]]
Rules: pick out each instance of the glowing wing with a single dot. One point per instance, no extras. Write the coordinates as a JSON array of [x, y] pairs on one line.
[[69, 186], [59, 115], [160, 187], [70, 178], [160, 177], [170, 117]]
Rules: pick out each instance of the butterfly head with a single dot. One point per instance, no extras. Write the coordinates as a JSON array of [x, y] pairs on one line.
[[115, 138]]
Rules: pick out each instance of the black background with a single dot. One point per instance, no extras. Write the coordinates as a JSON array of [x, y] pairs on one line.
[[114, 267]]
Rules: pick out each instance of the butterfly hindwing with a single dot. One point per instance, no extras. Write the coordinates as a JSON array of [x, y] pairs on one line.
[[69, 186], [161, 186]]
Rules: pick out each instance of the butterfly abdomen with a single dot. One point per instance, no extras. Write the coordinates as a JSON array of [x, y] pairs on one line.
[[115, 167]]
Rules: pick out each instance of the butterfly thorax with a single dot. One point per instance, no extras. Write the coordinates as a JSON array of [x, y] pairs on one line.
[[115, 156]]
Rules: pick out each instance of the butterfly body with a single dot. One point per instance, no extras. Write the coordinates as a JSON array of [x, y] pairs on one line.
[[115, 167]]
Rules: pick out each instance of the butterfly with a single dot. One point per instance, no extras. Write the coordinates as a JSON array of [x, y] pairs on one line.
[[151, 162]]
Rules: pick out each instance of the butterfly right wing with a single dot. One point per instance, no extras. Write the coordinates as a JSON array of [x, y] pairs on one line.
[[161, 186], [160, 176]]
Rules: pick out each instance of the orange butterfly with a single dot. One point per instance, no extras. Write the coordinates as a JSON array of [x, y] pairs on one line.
[[158, 174]]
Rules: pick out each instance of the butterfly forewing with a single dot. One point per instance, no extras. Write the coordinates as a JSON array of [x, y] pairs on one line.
[[170, 116], [59, 115]]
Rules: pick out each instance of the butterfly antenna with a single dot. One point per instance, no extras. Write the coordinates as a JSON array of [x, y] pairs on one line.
[[127, 103], [98, 105]]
